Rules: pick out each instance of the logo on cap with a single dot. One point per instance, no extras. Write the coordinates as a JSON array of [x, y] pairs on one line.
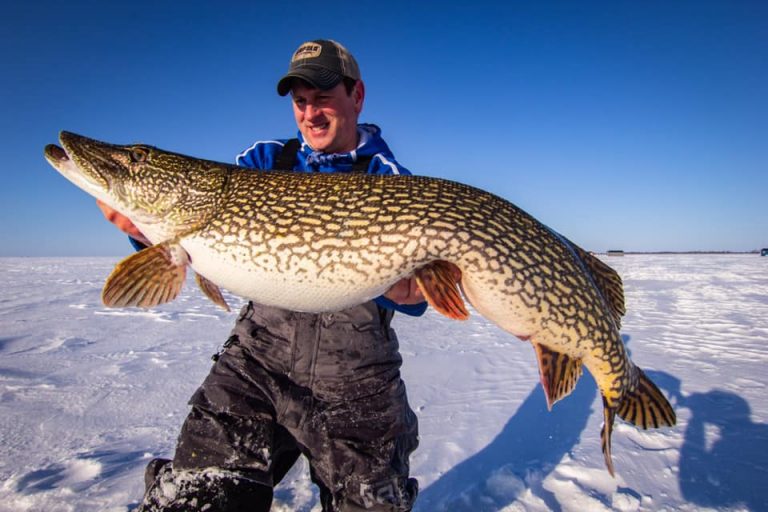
[[307, 51]]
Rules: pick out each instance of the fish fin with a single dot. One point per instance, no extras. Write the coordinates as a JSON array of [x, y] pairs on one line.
[[152, 276], [609, 414], [212, 292], [608, 281], [558, 372], [437, 281], [646, 407]]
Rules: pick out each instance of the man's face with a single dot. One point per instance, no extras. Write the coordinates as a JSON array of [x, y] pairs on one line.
[[328, 119]]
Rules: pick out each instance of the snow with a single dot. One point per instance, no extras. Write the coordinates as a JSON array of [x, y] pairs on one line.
[[89, 395]]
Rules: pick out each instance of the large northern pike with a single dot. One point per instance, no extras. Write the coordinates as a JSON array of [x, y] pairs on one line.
[[324, 242]]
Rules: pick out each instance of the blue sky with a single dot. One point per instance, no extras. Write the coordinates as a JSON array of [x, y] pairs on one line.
[[632, 125]]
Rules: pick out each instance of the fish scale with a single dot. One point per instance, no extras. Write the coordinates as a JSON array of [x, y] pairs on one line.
[[323, 242]]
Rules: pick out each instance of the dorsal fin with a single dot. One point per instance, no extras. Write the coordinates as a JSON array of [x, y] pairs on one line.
[[608, 281]]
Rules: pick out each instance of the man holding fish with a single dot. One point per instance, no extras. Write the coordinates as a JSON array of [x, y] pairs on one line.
[[288, 383]]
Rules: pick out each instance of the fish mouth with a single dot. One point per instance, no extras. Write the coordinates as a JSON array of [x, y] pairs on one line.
[[55, 155], [79, 171], [59, 159]]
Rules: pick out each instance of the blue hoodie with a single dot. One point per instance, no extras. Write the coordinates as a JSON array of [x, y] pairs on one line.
[[263, 154]]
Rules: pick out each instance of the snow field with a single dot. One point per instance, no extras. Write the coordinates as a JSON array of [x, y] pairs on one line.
[[88, 395]]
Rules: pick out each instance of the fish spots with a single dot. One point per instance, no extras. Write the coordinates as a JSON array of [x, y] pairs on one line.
[[360, 243], [321, 245], [356, 224], [312, 221]]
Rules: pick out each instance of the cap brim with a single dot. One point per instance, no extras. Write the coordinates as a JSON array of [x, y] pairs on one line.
[[317, 77]]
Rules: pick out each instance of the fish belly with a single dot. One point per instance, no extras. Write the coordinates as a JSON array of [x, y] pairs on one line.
[[504, 309], [293, 284]]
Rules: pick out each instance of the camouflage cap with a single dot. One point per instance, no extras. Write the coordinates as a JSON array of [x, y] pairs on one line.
[[322, 63]]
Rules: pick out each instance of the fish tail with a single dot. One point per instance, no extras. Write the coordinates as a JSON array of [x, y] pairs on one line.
[[646, 406]]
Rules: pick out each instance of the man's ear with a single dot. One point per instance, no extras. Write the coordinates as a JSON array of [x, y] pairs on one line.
[[359, 95]]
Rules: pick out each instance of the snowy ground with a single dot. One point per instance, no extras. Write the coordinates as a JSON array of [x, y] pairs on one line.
[[88, 395]]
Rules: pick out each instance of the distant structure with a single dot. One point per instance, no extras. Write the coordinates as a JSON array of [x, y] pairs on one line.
[[615, 252], [764, 252]]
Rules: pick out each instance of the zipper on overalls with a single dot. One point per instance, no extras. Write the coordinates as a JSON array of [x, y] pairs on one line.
[[316, 345]]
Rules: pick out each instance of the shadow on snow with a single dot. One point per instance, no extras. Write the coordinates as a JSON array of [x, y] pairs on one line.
[[722, 461], [528, 448], [723, 458], [110, 463]]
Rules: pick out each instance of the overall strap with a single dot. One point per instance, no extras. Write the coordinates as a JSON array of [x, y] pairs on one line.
[[287, 158], [361, 164]]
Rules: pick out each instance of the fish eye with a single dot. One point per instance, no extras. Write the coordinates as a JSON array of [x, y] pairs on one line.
[[139, 155]]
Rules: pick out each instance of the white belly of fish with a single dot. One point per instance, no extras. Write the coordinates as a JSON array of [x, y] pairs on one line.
[[285, 281]]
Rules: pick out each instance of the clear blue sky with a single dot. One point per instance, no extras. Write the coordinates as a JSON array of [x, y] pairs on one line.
[[621, 124]]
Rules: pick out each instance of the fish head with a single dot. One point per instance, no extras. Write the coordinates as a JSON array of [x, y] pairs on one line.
[[172, 192]]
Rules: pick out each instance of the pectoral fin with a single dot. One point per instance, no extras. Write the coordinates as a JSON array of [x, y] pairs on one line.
[[437, 281], [212, 292], [152, 276], [558, 372]]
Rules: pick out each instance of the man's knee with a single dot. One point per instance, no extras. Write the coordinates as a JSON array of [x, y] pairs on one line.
[[212, 439], [209, 489]]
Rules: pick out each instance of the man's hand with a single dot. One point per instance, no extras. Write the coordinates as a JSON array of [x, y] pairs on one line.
[[123, 223], [405, 291]]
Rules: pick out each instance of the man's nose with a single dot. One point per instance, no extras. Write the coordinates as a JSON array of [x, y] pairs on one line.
[[312, 110]]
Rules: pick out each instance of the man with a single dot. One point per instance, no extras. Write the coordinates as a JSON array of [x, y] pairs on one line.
[[324, 385]]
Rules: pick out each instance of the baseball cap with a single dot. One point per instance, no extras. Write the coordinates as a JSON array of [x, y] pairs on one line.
[[322, 63]]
